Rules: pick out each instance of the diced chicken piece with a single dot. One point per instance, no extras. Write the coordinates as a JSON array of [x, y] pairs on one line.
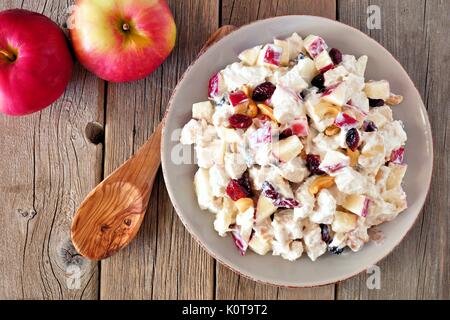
[[294, 170], [326, 207], [334, 75], [394, 136], [293, 79], [312, 237], [350, 181], [237, 75], [235, 165], [203, 110], [287, 105], [210, 154], [218, 180], [306, 199]]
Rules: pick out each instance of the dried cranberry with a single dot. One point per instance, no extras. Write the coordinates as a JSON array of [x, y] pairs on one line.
[[318, 81], [369, 126], [344, 120], [240, 121], [326, 68], [312, 163], [269, 191], [326, 235], [235, 191], [287, 203], [286, 133], [336, 55], [244, 182], [263, 91], [352, 139], [376, 102], [237, 97]]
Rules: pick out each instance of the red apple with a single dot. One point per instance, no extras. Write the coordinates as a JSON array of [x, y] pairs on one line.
[[35, 62], [122, 40]]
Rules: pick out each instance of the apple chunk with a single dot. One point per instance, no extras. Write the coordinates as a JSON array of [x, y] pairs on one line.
[[264, 209], [378, 89], [202, 188], [250, 56], [344, 221], [287, 149], [260, 245], [358, 204], [334, 161], [284, 60]]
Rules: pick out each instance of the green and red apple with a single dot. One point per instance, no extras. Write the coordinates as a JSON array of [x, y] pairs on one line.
[[122, 40], [35, 62]]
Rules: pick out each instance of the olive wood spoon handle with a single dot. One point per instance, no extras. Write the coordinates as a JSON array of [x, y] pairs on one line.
[[112, 213]]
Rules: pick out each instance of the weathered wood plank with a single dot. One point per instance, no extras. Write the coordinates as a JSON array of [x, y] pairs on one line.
[[228, 284], [415, 32], [163, 262], [47, 166]]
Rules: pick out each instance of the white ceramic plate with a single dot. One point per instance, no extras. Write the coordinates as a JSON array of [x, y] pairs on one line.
[[272, 269]]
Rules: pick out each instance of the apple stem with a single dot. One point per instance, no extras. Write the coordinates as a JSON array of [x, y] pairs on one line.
[[7, 55], [126, 27]]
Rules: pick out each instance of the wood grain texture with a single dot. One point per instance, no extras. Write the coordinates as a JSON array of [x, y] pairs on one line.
[[110, 216], [163, 262], [229, 285], [414, 32], [47, 166]]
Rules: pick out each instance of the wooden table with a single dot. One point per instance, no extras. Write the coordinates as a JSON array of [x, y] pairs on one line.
[[50, 160]]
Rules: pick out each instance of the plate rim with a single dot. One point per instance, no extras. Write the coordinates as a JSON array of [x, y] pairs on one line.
[[223, 260]]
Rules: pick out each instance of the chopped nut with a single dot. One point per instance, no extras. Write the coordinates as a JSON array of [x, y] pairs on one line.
[[266, 110], [322, 182], [373, 151], [303, 154], [394, 99], [243, 204], [252, 110], [242, 107], [247, 90], [353, 155], [332, 130], [233, 147], [327, 109]]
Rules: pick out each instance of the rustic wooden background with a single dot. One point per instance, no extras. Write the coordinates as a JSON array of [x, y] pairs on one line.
[[49, 162]]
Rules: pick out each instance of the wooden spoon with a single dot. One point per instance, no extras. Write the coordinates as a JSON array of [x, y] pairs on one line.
[[111, 214]]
